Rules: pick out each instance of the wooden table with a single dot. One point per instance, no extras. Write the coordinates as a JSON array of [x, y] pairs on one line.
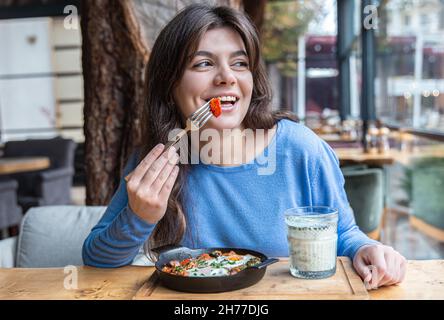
[[336, 137], [277, 284], [407, 157], [357, 155], [14, 165], [424, 280]]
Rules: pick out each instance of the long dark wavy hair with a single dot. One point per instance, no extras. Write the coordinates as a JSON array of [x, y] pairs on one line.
[[170, 55]]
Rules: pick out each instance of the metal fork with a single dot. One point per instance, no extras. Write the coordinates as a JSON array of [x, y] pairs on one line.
[[194, 122]]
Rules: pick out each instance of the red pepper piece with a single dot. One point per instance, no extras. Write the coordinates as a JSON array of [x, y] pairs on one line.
[[185, 262], [215, 107]]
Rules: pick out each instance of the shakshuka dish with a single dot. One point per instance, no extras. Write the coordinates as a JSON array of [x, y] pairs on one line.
[[211, 264]]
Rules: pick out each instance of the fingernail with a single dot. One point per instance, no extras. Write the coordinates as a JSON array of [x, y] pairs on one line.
[[160, 146]]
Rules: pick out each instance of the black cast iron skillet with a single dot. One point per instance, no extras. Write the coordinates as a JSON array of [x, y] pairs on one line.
[[242, 279]]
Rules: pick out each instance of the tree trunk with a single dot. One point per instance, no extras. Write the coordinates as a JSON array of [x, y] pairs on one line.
[[113, 59], [255, 10]]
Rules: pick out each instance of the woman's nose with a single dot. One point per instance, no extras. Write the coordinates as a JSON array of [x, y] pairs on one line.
[[225, 76]]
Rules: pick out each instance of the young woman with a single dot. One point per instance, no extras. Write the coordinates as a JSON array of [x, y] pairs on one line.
[[207, 52]]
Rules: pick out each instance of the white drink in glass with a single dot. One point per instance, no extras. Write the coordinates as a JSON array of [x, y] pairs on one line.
[[312, 240]]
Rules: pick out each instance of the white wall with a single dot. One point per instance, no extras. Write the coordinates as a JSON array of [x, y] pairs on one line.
[[26, 89], [41, 83]]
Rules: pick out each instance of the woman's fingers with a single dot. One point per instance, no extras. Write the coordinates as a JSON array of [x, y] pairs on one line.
[[397, 267], [361, 267], [386, 266], [146, 182], [164, 174], [365, 269], [137, 174], [377, 259], [391, 276], [168, 185], [156, 167]]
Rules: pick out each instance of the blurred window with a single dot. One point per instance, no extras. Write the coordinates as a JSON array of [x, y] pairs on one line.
[[299, 47], [410, 64]]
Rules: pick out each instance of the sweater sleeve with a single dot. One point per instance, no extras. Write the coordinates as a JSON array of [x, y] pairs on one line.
[[328, 190], [120, 233]]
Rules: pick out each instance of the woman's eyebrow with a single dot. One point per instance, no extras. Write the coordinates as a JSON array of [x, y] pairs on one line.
[[211, 55]]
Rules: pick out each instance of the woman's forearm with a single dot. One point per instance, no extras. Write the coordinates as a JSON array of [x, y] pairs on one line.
[[117, 243]]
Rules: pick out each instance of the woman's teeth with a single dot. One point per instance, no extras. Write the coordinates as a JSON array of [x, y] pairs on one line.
[[227, 98], [227, 102]]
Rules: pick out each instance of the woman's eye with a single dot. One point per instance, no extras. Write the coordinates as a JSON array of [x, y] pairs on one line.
[[242, 64], [202, 64]]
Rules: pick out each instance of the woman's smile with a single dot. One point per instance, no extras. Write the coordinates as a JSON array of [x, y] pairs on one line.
[[229, 101]]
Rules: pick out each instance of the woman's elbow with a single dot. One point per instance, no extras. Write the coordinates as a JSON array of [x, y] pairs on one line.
[[94, 257], [88, 257]]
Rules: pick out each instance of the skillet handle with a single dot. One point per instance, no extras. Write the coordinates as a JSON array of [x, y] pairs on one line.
[[162, 249], [265, 263]]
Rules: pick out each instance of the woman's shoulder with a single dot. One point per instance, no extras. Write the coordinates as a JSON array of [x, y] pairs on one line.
[[297, 140], [297, 136]]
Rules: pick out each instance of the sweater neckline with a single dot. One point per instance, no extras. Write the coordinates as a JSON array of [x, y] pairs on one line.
[[249, 165]]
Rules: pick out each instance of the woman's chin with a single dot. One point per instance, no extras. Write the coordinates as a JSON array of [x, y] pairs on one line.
[[224, 122]]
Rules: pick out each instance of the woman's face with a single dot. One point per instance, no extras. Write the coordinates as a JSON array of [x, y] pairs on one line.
[[219, 68]]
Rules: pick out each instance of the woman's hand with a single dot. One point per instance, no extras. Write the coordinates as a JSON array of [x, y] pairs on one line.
[[379, 265], [150, 184]]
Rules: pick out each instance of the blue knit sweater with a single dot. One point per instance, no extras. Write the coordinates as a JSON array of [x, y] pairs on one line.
[[241, 206]]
